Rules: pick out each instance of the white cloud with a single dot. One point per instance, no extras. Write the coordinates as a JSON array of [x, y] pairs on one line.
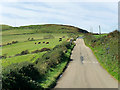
[[59, 0], [83, 15]]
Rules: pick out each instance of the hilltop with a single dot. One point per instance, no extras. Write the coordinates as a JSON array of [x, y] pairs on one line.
[[47, 28], [5, 27]]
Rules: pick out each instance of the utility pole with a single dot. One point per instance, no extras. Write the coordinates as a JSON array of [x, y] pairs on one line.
[[99, 30]]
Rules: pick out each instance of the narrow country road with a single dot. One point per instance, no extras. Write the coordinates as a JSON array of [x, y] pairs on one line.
[[85, 71]]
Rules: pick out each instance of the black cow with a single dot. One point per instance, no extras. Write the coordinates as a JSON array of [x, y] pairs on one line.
[[47, 42], [39, 42], [60, 40], [43, 42]]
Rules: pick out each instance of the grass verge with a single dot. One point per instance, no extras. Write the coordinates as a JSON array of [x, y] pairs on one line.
[[52, 75], [105, 49]]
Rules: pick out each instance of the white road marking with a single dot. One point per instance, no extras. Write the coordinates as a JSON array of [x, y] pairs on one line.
[[90, 62]]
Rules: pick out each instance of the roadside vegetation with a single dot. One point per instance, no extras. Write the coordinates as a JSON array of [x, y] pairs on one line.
[[105, 47], [40, 74]]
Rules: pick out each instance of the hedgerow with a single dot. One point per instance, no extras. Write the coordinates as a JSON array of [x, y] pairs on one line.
[[29, 76]]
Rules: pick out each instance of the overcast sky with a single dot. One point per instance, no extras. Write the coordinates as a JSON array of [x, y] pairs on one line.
[[85, 15]]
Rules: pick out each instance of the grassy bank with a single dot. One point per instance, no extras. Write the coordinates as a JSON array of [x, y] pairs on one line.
[[51, 76], [105, 49]]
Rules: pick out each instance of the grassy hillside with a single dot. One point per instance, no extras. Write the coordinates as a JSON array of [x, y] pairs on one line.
[[34, 56], [22, 33], [47, 28], [5, 27], [53, 28], [18, 39], [105, 47], [10, 51]]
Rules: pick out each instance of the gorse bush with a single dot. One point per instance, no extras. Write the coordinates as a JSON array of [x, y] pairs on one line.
[[20, 76], [24, 52], [42, 50], [52, 58]]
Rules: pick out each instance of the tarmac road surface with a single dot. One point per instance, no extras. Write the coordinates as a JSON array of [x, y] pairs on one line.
[[85, 71]]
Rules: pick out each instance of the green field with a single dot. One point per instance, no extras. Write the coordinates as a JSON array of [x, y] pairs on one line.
[[22, 34], [30, 45], [18, 59], [98, 36], [24, 44], [24, 37]]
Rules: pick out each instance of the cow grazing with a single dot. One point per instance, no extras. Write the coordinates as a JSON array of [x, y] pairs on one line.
[[43, 42], [60, 40], [39, 42], [47, 42], [35, 43]]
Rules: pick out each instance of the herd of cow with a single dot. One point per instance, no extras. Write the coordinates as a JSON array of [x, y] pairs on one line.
[[42, 42], [60, 39]]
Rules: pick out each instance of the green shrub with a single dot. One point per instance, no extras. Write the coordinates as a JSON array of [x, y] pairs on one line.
[[20, 76], [67, 54], [13, 42], [8, 43], [18, 81], [3, 56], [42, 50], [53, 57], [24, 52]]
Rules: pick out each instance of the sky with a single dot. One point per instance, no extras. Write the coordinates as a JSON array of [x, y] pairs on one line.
[[86, 15]]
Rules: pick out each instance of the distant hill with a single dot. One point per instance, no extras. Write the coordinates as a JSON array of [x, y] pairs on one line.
[[49, 28]]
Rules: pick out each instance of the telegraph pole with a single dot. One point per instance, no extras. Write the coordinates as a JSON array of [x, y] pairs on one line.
[[99, 30]]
